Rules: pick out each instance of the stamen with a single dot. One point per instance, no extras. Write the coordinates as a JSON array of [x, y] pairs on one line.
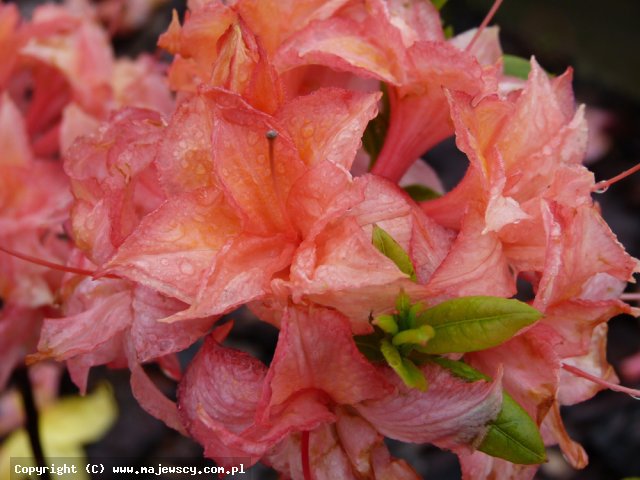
[[597, 380], [304, 450], [271, 138], [602, 186], [483, 25], [51, 265]]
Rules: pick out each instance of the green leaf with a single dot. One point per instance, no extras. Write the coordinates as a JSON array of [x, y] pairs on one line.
[[414, 336], [376, 131], [411, 375], [387, 324], [439, 3], [470, 324], [420, 193], [513, 435], [516, 66], [392, 250]]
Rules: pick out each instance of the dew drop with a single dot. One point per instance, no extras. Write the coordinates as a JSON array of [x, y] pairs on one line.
[[601, 190], [186, 268]]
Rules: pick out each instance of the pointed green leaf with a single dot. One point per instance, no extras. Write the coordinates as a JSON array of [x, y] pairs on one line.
[[387, 324], [470, 324], [392, 250], [414, 336], [513, 435], [411, 375], [516, 66], [420, 193]]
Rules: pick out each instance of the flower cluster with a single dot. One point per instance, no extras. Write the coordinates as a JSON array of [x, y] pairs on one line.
[[238, 178]]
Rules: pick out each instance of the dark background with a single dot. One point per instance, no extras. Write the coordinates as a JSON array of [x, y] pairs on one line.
[[601, 41]]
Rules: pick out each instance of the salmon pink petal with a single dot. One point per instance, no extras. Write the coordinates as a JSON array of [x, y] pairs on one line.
[[184, 160], [10, 40], [79, 332], [82, 53], [475, 265], [111, 353], [554, 432], [531, 368], [575, 320], [242, 67], [328, 124], [218, 398], [173, 247], [14, 142], [152, 400], [195, 42], [574, 389], [323, 191], [141, 83], [316, 351], [152, 339], [225, 385], [450, 414], [105, 169], [358, 41], [273, 21], [241, 273], [486, 48], [255, 174], [581, 245], [479, 465], [350, 449]]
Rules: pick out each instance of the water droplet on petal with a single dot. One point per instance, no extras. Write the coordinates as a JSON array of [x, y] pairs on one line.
[[601, 190], [186, 268]]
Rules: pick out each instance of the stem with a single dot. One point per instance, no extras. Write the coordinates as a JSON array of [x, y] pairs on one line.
[[21, 376], [304, 450]]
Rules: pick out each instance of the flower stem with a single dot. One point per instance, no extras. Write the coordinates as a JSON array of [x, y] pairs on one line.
[[21, 376]]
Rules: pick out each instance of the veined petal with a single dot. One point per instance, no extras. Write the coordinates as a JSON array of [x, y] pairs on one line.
[[451, 413], [316, 351]]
